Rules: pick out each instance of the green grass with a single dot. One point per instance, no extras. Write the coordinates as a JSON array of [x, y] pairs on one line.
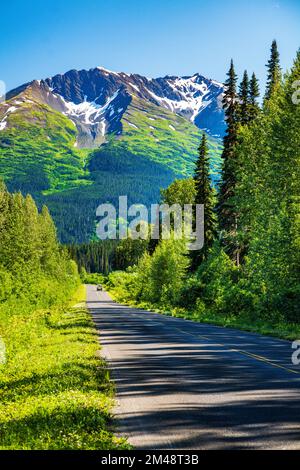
[[279, 329], [79, 297], [55, 390]]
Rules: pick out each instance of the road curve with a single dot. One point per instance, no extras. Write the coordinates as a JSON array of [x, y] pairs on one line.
[[187, 385]]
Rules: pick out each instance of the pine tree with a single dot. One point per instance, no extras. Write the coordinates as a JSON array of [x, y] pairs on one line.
[[274, 71], [32, 235], [205, 196], [253, 98], [225, 208], [4, 205], [48, 240], [16, 234], [244, 107]]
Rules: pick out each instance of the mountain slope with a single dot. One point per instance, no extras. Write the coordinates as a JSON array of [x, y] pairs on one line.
[[87, 137], [161, 136], [37, 146]]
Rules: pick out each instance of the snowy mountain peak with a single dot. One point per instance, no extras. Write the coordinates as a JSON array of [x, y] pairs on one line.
[[96, 99]]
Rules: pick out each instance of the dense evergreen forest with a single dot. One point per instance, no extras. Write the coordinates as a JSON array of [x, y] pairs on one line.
[[107, 255], [249, 265], [33, 265]]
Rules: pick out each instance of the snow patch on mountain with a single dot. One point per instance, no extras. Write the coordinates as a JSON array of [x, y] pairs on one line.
[[189, 96], [102, 125], [89, 112], [134, 86], [12, 109], [3, 125], [132, 125]]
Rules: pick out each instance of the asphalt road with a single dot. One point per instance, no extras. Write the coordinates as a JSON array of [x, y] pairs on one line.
[[186, 385]]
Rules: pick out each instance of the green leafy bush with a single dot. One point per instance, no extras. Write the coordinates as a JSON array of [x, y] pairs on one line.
[[218, 276]]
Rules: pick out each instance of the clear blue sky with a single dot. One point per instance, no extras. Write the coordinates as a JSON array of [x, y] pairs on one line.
[[154, 37]]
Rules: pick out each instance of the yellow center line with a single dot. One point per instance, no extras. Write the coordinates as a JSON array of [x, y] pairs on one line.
[[240, 351], [264, 359]]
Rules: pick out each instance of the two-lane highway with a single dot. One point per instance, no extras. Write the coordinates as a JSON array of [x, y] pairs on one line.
[[187, 385]]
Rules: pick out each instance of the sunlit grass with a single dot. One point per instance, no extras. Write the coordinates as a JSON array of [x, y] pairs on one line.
[[55, 391]]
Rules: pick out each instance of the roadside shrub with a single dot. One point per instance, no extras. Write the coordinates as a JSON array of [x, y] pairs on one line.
[[288, 301], [190, 292], [91, 278], [156, 279], [218, 276], [167, 268], [123, 284]]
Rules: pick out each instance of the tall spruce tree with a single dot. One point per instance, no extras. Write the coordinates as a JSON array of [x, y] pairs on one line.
[[244, 99], [253, 97], [48, 241], [32, 234], [225, 208], [4, 204], [274, 71], [205, 196]]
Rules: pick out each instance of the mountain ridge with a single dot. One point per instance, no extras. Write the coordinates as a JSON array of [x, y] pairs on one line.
[[96, 99]]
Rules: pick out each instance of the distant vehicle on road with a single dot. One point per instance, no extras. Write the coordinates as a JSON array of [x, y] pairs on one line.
[[99, 287]]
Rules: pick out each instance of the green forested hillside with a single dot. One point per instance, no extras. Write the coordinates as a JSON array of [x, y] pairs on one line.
[[38, 155], [164, 138], [37, 152]]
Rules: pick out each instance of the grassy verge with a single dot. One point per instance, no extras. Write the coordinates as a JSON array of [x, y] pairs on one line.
[[283, 330], [55, 393]]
